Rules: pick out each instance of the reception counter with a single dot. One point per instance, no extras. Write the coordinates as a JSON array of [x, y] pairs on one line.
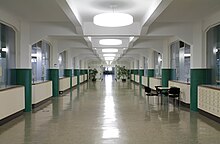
[[137, 78], [41, 91], [64, 84], [12, 103], [144, 81], [209, 101], [74, 81], [132, 77], [154, 82]]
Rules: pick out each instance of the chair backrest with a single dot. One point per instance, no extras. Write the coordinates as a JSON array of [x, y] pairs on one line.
[[174, 90], [147, 89]]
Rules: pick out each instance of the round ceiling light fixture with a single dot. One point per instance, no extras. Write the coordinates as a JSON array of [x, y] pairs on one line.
[[113, 19], [110, 42]]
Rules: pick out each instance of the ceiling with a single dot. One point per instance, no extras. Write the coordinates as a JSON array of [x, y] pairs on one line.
[[152, 22]]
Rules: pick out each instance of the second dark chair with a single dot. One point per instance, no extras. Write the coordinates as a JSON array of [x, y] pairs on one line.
[[148, 91], [174, 92]]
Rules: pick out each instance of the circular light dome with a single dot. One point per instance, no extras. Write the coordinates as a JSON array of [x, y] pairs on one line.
[[113, 19], [110, 42]]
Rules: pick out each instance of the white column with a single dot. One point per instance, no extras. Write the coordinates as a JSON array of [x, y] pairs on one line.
[[141, 62], [198, 52], [136, 64], [69, 59], [77, 62], [166, 55], [54, 55], [23, 51], [151, 59]]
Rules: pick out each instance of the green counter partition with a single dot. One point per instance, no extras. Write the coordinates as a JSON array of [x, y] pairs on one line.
[[198, 77], [68, 73], [150, 73], [166, 76], [24, 77], [53, 75]]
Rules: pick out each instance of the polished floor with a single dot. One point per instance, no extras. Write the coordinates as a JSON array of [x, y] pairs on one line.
[[110, 112]]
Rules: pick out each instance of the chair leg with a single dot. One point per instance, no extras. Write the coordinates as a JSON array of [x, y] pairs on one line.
[[179, 100]]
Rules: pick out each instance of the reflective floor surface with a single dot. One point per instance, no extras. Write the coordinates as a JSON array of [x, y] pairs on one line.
[[110, 112]]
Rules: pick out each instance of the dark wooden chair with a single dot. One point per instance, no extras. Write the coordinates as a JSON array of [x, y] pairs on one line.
[[174, 92]]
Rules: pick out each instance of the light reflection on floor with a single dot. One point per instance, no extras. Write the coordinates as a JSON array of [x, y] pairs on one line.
[[110, 129]]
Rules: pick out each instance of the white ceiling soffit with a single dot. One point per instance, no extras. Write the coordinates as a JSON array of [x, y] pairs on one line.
[[87, 57], [72, 13], [35, 10], [183, 30], [189, 10], [76, 43]]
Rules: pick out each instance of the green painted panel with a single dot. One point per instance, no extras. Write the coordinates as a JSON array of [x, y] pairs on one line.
[[166, 76], [24, 77], [150, 73], [53, 75], [77, 73], [80, 72], [68, 73], [141, 73], [198, 77], [136, 71], [13, 77]]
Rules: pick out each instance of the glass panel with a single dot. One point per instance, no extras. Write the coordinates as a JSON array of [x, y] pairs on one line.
[[40, 57], [157, 64], [145, 66], [61, 63], [180, 61], [175, 60], [7, 54], [213, 52]]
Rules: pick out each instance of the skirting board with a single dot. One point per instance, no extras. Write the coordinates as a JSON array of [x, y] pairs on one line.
[[11, 117], [208, 115]]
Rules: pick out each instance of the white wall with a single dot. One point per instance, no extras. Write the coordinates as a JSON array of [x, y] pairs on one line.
[[151, 60]]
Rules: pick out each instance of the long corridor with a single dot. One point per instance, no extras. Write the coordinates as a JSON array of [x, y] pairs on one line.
[[110, 112]]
